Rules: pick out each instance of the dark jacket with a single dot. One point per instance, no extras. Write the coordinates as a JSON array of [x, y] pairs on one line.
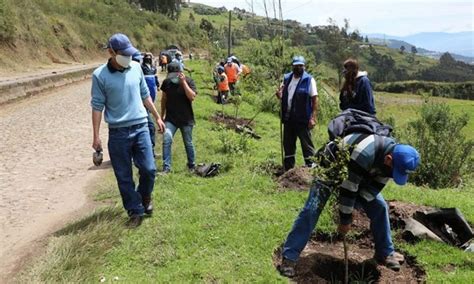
[[361, 98], [301, 104]]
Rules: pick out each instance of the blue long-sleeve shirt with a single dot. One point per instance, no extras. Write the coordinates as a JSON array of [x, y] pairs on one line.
[[120, 93]]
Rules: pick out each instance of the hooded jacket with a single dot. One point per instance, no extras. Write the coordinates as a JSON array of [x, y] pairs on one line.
[[361, 98]]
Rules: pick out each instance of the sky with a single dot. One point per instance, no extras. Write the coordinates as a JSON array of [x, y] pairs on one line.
[[391, 17]]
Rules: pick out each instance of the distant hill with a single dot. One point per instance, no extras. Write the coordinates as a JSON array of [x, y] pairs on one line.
[[460, 45]]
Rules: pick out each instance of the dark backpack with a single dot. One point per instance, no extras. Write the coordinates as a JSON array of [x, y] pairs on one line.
[[353, 121], [208, 170], [357, 121]]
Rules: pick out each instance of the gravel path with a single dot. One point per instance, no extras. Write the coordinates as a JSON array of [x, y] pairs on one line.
[[45, 164]]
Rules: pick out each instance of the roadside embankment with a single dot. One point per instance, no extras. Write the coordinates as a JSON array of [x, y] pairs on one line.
[[14, 88]]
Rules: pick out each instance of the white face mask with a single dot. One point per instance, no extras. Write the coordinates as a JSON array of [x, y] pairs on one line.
[[123, 60]]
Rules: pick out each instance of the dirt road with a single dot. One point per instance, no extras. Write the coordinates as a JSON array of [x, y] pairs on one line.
[[45, 167]]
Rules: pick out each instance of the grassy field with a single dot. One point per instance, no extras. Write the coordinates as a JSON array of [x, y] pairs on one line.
[[225, 229]]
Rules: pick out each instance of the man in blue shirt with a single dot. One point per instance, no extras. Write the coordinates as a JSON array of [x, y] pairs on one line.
[[120, 91], [373, 161]]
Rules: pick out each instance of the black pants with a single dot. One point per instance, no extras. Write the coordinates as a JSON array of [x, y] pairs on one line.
[[291, 131]]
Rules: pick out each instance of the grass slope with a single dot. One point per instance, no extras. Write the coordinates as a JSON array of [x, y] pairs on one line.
[[222, 229]]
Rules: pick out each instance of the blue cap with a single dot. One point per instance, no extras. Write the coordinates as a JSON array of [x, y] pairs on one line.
[[137, 56], [220, 68], [120, 42], [405, 159], [298, 60]]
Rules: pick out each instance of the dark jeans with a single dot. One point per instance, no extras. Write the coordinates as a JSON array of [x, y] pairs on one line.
[[125, 144], [152, 130], [187, 133], [291, 131], [376, 210]]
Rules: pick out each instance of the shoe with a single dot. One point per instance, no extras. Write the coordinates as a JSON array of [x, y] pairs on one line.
[[134, 221], [287, 268], [146, 201], [399, 257], [391, 262], [164, 172]]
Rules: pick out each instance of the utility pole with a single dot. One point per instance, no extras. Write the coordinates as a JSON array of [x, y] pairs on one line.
[[229, 40]]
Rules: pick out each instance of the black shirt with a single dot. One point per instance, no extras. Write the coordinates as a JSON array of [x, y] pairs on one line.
[[178, 107]]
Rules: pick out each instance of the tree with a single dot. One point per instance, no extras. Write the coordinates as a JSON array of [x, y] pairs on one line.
[[191, 17], [402, 49], [170, 8], [446, 60], [414, 50], [366, 39], [207, 26]]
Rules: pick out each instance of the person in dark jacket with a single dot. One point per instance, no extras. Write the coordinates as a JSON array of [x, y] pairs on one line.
[[299, 104], [149, 70], [178, 93], [356, 92], [373, 161]]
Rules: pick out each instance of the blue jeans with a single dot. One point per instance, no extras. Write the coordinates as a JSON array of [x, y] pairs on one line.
[[152, 130], [376, 210], [125, 144], [187, 133]]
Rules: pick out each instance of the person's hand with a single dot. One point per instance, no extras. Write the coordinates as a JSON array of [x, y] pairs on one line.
[[279, 92], [343, 229], [161, 125], [311, 123], [181, 77], [97, 144]]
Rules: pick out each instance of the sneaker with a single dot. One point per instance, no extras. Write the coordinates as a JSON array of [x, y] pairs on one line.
[[399, 257], [146, 201], [164, 172], [134, 221], [287, 268], [391, 262]]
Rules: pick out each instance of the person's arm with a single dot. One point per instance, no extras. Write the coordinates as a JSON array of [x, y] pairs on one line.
[[314, 103], [190, 92], [96, 118], [151, 108], [98, 105], [163, 103]]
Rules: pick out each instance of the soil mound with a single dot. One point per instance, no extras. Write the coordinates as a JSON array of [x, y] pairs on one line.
[[296, 179]]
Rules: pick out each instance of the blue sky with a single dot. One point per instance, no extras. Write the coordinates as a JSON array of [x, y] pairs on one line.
[[401, 17]]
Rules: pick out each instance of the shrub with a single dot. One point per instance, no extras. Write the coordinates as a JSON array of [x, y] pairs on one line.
[[445, 152], [233, 143]]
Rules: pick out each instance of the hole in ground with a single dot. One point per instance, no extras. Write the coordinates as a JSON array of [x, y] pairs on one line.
[[332, 269]]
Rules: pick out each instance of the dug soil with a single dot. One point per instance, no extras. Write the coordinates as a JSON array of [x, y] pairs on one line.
[[322, 260], [229, 121], [299, 178]]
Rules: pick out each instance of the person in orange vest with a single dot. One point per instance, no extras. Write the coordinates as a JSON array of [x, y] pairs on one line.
[[163, 62], [222, 86], [245, 70], [232, 71]]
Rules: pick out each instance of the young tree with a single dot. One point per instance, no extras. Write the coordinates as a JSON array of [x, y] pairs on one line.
[[402, 49], [414, 50]]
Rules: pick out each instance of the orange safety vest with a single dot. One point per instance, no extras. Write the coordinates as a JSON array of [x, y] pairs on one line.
[[232, 72], [164, 59], [245, 70], [223, 85]]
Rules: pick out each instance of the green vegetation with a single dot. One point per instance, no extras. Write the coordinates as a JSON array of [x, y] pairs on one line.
[[223, 229], [461, 90]]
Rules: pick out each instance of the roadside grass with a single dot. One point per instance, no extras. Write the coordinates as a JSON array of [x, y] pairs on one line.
[[221, 229]]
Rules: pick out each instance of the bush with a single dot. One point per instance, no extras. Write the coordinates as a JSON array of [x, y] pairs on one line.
[[233, 143], [445, 152]]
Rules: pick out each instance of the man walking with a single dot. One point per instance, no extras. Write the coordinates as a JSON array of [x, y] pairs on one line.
[[178, 93], [120, 91], [373, 161], [299, 105]]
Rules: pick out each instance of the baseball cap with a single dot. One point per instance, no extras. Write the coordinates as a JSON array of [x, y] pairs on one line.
[[174, 68], [220, 68], [405, 159], [120, 42], [298, 60]]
